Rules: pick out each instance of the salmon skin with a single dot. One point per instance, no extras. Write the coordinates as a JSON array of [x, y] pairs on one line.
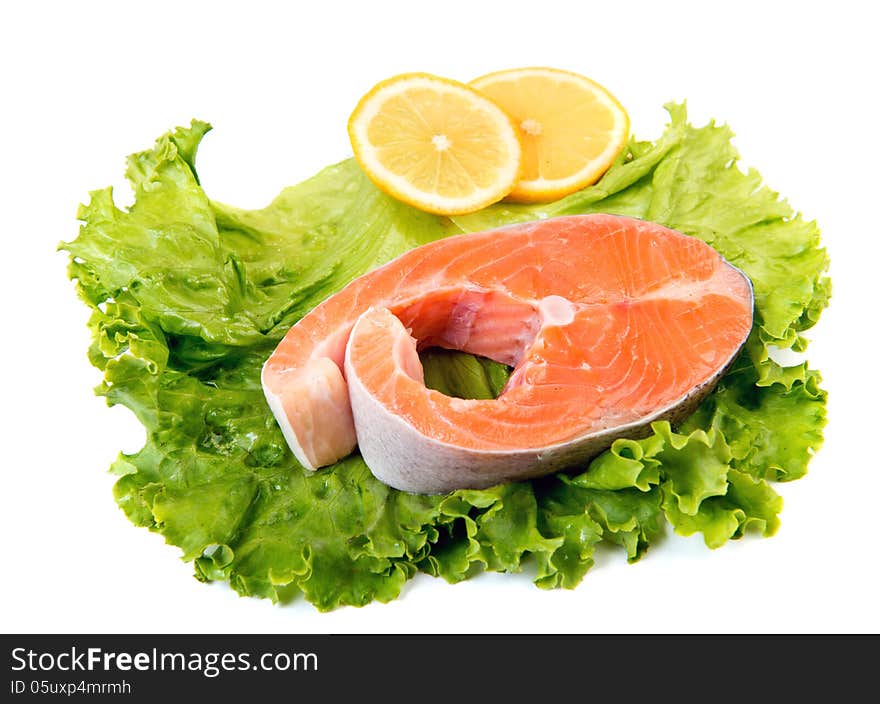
[[609, 322]]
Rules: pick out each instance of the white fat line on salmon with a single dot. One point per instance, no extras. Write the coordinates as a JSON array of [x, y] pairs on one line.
[[680, 289]]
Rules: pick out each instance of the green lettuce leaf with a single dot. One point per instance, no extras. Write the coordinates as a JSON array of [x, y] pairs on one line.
[[463, 375], [748, 502], [189, 297]]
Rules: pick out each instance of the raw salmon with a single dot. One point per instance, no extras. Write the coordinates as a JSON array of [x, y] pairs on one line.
[[609, 323]]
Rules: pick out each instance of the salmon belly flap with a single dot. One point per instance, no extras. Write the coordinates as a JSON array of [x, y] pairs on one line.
[[609, 322]]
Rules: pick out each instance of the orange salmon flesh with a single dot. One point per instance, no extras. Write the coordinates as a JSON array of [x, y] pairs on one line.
[[609, 322]]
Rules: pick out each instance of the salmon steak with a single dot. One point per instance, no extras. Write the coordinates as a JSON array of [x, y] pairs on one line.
[[609, 323]]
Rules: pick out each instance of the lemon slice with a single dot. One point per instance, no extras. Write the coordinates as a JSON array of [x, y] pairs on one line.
[[571, 128], [435, 144]]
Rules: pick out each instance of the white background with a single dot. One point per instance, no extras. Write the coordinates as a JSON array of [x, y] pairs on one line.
[[86, 83]]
